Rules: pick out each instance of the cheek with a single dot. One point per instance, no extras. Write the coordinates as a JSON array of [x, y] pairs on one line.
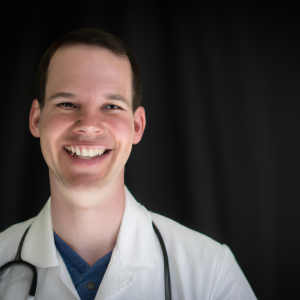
[[51, 129], [123, 130]]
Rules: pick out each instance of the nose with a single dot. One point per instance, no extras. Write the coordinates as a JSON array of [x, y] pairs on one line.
[[88, 124]]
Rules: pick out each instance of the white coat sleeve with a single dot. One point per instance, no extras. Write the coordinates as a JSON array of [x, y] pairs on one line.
[[231, 283]]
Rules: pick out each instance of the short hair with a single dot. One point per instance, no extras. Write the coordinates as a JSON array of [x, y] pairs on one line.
[[94, 37]]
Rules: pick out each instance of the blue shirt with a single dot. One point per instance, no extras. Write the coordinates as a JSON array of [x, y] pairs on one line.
[[86, 278]]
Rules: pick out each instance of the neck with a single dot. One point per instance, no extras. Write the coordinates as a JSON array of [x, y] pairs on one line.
[[89, 223]]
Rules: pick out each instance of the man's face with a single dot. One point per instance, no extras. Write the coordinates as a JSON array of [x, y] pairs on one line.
[[87, 126]]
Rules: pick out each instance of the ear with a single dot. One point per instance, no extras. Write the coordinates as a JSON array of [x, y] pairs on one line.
[[139, 118], [34, 118]]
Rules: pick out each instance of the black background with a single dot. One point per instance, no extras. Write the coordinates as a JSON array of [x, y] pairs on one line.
[[221, 91]]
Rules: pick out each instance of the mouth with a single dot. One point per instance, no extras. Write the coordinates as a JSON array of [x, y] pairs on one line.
[[86, 152]]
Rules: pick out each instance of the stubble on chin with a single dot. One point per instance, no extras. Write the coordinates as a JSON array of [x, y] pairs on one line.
[[84, 181]]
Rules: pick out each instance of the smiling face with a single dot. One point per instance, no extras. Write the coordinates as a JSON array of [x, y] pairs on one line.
[[87, 126]]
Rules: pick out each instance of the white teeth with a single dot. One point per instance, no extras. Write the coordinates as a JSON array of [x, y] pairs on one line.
[[91, 153], [85, 152], [77, 150]]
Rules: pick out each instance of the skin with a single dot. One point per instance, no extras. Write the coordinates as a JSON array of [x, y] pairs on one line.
[[88, 102]]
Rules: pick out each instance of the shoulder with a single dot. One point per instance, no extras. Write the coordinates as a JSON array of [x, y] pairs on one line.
[[9, 240], [190, 249], [202, 264], [183, 238]]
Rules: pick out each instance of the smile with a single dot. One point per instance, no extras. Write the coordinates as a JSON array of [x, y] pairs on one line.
[[85, 153]]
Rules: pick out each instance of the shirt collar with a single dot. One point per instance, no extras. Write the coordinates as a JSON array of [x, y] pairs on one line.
[[135, 242], [69, 256]]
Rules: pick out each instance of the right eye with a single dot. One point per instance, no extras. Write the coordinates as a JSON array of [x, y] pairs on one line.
[[66, 105]]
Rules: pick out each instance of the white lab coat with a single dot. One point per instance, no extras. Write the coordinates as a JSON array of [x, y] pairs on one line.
[[200, 268]]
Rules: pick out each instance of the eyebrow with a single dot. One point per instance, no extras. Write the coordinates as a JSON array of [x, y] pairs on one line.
[[61, 95]]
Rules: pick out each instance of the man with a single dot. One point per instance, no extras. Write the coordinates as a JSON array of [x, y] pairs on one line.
[[92, 240]]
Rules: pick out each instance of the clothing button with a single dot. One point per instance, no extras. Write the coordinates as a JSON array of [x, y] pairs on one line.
[[90, 285]]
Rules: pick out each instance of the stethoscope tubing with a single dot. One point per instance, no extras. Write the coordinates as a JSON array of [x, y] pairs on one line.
[[166, 263], [18, 261]]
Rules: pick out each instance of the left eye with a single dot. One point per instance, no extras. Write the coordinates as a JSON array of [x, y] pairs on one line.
[[111, 106]]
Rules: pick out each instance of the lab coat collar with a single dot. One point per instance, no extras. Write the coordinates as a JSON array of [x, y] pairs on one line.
[[134, 251], [135, 244], [39, 248]]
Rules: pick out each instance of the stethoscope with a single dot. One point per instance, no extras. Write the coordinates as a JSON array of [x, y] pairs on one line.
[[18, 261]]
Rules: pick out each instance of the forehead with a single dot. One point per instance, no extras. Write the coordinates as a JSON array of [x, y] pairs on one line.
[[88, 67]]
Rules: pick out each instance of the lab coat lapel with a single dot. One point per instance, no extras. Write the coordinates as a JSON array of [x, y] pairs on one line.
[[39, 248], [134, 251], [63, 273]]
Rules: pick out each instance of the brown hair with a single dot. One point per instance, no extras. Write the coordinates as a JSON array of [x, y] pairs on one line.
[[95, 37]]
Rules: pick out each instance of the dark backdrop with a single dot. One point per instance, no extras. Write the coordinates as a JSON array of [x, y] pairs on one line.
[[220, 152]]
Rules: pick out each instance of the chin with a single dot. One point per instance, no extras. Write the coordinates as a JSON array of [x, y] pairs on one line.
[[84, 181]]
